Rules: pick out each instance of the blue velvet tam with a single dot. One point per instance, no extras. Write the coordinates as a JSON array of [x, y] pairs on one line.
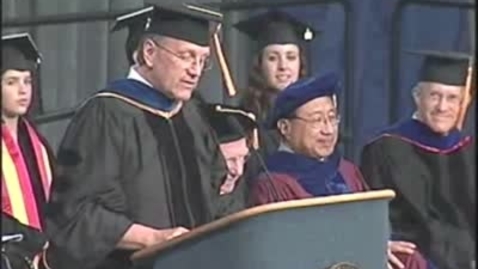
[[301, 92]]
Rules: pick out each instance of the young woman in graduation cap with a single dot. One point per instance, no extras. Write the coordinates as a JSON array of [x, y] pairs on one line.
[[26, 158], [280, 61]]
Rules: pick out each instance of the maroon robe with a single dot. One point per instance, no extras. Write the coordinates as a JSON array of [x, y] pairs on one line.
[[287, 188]]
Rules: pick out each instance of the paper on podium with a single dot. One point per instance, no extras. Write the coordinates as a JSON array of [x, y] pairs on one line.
[[314, 233]]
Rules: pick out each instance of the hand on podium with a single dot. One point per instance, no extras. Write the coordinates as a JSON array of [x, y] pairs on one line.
[[398, 247], [139, 236], [173, 232]]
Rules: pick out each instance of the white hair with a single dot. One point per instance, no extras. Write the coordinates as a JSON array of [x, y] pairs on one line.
[[137, 53], [416, 90]]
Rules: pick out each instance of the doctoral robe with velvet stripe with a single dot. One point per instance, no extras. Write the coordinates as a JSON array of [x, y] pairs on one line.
[[293, 176], [434, 178], [130, 155]]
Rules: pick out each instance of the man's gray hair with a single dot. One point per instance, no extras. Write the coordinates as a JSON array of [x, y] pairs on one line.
[[416, 90], [138, 52]]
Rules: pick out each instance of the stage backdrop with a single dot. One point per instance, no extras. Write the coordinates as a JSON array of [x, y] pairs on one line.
[[80, 58]]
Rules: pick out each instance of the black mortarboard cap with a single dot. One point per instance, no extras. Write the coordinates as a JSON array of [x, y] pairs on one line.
[[186, 22], [449, 68], [19, 52], [229, 123], [276, 27]]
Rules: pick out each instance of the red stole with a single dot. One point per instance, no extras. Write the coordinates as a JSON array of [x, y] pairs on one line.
[[18, 198]]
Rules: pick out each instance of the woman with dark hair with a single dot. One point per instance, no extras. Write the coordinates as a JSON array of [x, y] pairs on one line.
[[280, 61], [261, 93], [26, 159]]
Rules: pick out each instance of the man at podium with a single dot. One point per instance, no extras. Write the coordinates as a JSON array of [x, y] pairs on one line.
[[137, 160], [307, 163]]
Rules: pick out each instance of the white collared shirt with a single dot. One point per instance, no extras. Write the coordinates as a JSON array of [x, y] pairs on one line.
[[133, 74], [415, 116], [284, 147]]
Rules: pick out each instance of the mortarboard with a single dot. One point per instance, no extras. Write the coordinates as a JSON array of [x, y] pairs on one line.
[[449, 68], [276, 27], [19, 52], [301, 92], [181, 21], [229, 123]]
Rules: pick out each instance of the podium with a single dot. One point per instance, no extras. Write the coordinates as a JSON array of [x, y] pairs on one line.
[[315, 233]]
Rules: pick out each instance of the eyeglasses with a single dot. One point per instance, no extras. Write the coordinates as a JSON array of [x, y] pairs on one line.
[[188, 58], [318, 122]]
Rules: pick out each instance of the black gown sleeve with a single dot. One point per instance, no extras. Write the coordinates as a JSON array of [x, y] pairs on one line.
[[448, 246], [31, 237], [212, 164], [86, 217], [20, 254], [380, 171], [49, 150]]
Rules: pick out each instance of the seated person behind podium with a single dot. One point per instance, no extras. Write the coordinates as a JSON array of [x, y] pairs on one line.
[[234, 129], [27, 162], [137, 161], [307, 163]]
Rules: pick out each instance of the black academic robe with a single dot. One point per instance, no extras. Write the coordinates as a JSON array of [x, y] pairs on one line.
[[33, 239], [236, 200], [125, 160], [20, 254], [434, 179], [269, 141]]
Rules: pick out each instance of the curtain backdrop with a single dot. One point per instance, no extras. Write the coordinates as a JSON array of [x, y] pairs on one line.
[[79, 58]]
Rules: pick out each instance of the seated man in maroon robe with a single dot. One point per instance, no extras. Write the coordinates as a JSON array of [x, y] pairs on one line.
[[307, 163]]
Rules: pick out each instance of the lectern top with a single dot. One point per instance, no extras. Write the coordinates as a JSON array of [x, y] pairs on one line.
[[267, 208]]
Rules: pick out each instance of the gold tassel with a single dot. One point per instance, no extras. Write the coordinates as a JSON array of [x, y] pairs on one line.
[[226, 73], [255, 133], [255, 139], [467, 98]]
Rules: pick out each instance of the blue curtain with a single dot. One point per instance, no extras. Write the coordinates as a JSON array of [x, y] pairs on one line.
[[80, 58], [423, 27]]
